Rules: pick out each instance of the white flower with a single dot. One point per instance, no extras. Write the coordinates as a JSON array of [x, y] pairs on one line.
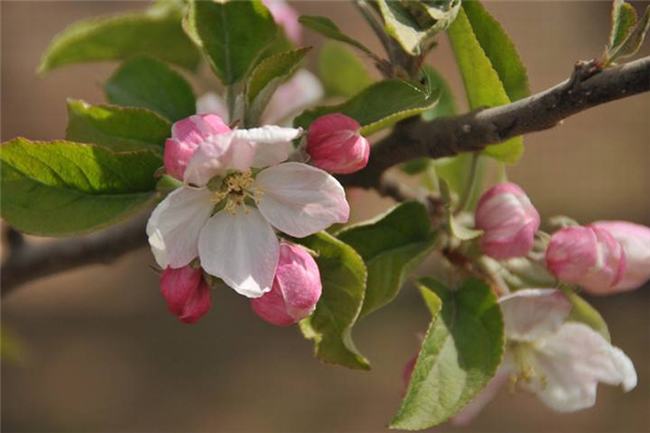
[[237, 190], [560, 361]]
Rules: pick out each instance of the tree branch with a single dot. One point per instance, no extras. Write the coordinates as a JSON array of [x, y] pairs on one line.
[[28, 261], [470, 132], [410, 139]]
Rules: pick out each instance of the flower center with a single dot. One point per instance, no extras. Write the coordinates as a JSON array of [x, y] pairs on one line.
[[234, 190], [525, 371]]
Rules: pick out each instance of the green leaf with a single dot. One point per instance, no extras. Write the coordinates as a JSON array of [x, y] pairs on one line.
[[414, 23], [624, 19], [461, 231], [460, 354], [499, 49], [378, 106], [583, 312], [343, 275], [326, 27], [402, 26], [266, 77], [631, 45], [446, 105], [341, 71], [233, 34], [392, 245], [156, 33], [483, 85], [120, 128], [61, 188], [148, 83]]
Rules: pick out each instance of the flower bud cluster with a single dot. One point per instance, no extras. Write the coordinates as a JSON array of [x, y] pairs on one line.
[[603, 258]]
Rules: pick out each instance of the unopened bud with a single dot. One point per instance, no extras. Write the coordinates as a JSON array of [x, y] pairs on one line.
[[187, 294], [508, 220], [635, 240], [335, 144], [187, 135], [588, 256], [296, 288]]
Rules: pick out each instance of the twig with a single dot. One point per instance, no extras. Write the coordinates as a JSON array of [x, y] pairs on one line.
[[32, 261], [410, 139], [414, 138]]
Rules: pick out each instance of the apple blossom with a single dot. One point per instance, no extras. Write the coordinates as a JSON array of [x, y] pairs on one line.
[[335, 144], [635, 240], [296, 288], [300, 91], [237, 190], [287, 17], [560, 361], [588, 256], [508, 220], [186, 292]]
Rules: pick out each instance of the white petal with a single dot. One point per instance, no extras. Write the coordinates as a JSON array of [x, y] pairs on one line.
[[211, 158], [301, 200], [301, 91], [571, 363], [531, 313], [626, 369], [174, 226], [241, 249], [272, 144], [210, 102]]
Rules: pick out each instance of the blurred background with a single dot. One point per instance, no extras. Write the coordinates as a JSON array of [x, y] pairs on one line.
[[98, 351]]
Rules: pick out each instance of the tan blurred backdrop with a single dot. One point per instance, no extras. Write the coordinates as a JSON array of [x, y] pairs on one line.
[[101, 354]]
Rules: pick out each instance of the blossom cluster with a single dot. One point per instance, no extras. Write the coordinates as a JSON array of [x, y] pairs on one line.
[[560, 360], [244, 194]]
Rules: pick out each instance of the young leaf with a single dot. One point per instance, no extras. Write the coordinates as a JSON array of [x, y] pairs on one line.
[[343, 275], [341, 71], [148, 83], [483, 85], [412, 23], [266, 77], [624, 19], [232, 34], [460, 354], [62, 188], [156, 33], [446, 106], [403, 27], [120, 128], [378, 106], [634, 39], [326, 27], [391, 245], [499, 49]]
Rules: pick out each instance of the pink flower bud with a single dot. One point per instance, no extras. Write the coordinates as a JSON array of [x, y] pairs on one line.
[[296, 288], [509, 221], [187, 134], [335, 145], [286, 17], [635, 240], [588, 256], [187, 294]]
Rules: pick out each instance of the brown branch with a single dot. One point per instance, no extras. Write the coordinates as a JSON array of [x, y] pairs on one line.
[[411, 139], [29, 261], [450, 136]]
